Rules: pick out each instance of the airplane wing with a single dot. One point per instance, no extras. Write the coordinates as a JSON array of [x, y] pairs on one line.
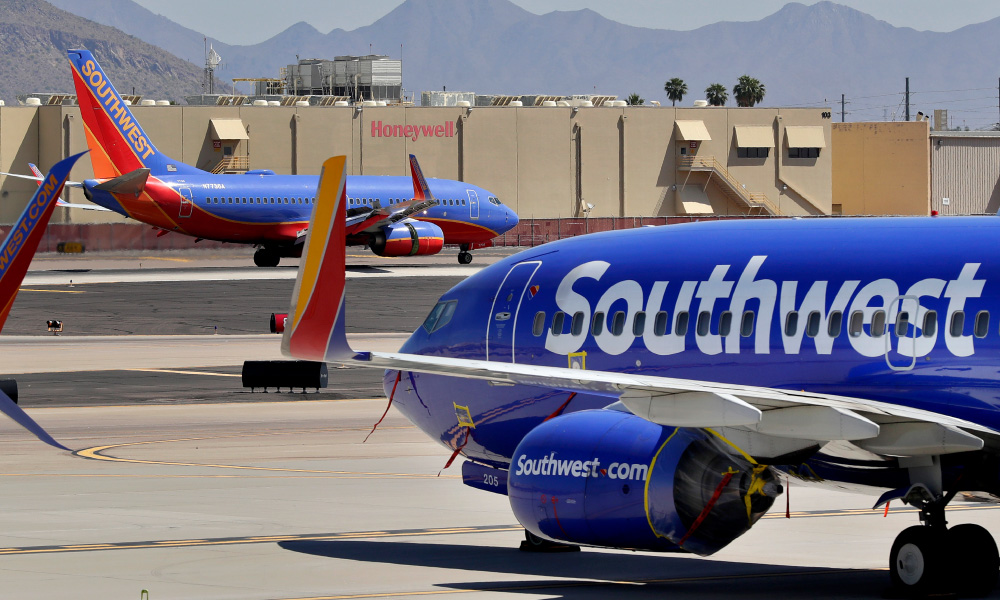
[[16, 253], [317, 332], [379, 216]]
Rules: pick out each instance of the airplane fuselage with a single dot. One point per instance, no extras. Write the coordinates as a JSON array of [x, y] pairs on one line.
[[258, 208], [900, 310]]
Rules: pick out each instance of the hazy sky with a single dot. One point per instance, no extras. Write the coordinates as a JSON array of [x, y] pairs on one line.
[[252, 21]]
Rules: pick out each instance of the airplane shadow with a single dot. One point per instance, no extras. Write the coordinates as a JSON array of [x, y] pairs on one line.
[[596, 574], [365, 269]]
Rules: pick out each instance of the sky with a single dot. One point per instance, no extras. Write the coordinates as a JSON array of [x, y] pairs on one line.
[[253, 21]]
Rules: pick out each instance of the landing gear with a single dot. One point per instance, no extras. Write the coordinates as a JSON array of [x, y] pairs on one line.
[[931, 558], [464, 256], [533, 543], [266, 257]]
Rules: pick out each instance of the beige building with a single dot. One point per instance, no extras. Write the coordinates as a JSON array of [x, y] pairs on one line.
[[545, 162], [881, 168], [965, 172]]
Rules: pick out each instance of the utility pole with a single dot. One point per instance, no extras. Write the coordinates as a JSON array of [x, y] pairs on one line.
[[842, 111], [907, 98]]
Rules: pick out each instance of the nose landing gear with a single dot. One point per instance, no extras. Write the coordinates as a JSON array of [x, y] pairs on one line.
[[464, 256]]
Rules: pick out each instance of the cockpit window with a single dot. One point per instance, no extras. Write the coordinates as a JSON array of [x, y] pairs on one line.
[[494, 200], [440, 315]]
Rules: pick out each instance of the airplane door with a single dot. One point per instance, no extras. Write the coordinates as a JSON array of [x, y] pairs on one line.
[[473, 204], [901, 339], [187, 202], [511, 294]]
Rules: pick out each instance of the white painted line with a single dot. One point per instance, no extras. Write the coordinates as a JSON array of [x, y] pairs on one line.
[[241, 274]]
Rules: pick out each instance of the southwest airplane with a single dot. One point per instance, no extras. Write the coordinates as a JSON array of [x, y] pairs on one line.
[[15, 255], [271, 211], [656, 405]]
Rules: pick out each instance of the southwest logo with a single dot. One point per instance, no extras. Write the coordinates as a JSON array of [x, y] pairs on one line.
[[115, 108], [19, 235]]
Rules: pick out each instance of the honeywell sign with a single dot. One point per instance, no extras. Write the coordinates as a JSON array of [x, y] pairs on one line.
[[380, 129]]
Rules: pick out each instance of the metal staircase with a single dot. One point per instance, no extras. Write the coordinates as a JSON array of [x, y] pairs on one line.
[[756, 203]]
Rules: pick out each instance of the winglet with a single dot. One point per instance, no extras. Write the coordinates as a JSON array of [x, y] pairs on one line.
[[15, 256], [316, 326], [23, 238], [421, 191]]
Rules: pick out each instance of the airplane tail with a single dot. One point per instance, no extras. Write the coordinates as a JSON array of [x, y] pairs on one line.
[[316, 328], [117, 142], [22, 239]]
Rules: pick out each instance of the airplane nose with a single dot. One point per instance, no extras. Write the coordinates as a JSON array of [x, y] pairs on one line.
[[512, 219]]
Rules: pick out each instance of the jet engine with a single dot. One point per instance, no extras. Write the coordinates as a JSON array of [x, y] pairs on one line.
[[609, 478], [407, 238]]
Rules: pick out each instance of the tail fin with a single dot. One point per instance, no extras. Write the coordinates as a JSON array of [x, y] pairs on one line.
[[117, 142], [22, 240], [421, 191], [316, 328]]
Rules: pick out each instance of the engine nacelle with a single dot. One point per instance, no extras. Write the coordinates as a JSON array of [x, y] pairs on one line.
[[407, 238], [609, 478]]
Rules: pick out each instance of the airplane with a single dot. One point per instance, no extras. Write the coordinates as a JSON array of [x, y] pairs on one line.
[[394, 216], [16, 252], [657, 405]]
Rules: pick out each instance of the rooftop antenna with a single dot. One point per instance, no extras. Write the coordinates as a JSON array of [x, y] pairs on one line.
[[212, 60]]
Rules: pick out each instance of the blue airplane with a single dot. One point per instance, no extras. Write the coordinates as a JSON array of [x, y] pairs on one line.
[[650, 388], [390, 215]]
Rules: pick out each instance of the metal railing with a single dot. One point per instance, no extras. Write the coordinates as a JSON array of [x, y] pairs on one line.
[[232, 164], [753, 200]]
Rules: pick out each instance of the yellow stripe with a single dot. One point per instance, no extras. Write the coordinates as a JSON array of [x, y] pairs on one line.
[[732, 445], [652, 465], [331, 183]]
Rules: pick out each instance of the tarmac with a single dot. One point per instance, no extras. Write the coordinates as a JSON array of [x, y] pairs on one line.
[[187, 485]]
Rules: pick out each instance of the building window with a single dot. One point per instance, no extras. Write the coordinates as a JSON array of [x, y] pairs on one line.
[[803, 153], [753, 152]]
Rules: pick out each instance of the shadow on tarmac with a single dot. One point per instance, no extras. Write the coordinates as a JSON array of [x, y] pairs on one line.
[[596, 574]]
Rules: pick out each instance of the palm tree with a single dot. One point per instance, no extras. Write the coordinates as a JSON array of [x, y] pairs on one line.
[[675, 89], [634, 100], [716, 94], [748, 91]]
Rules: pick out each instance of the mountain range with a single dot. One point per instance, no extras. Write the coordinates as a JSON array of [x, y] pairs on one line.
[[34, 37], [805, 55]]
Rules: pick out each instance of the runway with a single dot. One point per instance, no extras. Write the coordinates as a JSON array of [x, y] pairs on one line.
[[186, 485], [282, 500]]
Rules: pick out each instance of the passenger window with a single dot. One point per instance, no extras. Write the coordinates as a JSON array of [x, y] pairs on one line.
[[982, 324], [878, 323], [725, 323], [833, 323], [597, 327], [791, 323], [558, 320], [957, 323], [857, 323], [746, 325], [704, 322], [812, 324], [618, 324], [930, 324], [681, 326], [902, 323], [660, 323], [539, 326], [577, 326], [639, 323]]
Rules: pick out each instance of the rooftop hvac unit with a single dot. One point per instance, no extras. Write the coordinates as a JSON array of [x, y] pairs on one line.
[[163, 102], [700, 103], [147, 102], [259, 103]]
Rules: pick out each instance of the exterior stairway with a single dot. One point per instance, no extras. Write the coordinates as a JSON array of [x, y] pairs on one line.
[[756, 203], [232, 164]]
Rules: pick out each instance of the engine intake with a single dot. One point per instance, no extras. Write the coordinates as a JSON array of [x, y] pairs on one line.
[[608, 478], [407, 238]]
